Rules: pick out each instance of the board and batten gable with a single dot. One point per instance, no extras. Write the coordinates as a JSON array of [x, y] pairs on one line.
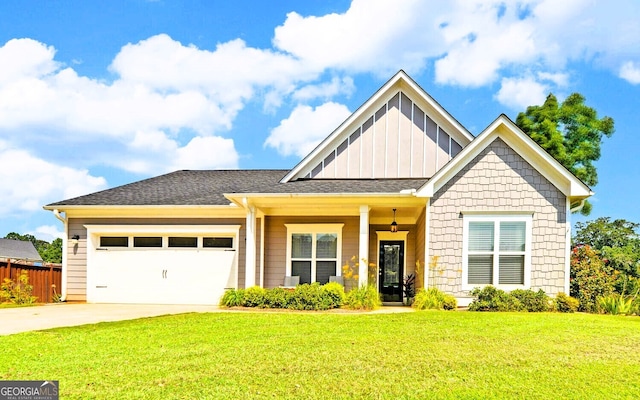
[[399, 140], [400, 132], [499, 180]]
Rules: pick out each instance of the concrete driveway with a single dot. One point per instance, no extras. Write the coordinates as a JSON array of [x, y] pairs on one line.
[[24, 319]]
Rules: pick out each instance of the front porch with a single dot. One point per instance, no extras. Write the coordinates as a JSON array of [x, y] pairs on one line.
[[359, 248]]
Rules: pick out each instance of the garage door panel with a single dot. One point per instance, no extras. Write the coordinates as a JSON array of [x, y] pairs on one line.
[[160, 276]]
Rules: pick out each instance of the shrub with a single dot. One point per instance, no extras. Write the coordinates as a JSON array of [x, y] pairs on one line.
[[491, 299], [590, 278], [334, 293], [365, 297], [450, 302], [308, 297], [19, 292], [565, 303], [616, 304], [532, 301], [232, 298], [433, 299], [277, 298], [254, 297]]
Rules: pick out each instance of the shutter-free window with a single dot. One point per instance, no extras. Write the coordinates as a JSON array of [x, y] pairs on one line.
[[313, 251], [496, 250]]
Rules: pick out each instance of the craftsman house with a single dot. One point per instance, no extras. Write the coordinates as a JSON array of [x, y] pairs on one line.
[[399, 187]]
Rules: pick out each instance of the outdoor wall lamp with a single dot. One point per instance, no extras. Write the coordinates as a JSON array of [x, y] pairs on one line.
[[74, 239], [394, 224]]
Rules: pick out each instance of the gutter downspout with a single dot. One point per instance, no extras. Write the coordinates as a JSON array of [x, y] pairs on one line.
[[579, 206], [63, 279]]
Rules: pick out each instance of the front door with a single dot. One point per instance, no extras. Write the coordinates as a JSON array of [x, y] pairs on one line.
[[391, 270]]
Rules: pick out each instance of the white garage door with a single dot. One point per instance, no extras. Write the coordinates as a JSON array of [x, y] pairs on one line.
[[161, 265]]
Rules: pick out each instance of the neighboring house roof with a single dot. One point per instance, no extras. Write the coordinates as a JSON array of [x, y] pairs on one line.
[[208, 187], [18, 250], [520, 142], [400, 82]]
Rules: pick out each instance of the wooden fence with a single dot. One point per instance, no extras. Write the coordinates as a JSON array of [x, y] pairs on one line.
[[41, 277]]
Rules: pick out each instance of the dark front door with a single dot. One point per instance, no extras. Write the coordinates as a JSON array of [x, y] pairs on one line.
[[391, 263]]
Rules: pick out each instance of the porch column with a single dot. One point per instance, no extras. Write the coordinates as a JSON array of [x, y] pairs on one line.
[[363, 254], [250, 243]]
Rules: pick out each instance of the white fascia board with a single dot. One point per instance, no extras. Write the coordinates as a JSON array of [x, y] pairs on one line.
[[528, 149]]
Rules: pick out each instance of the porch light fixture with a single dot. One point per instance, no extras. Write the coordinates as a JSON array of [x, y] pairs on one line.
[[74, 239], [394, 224]]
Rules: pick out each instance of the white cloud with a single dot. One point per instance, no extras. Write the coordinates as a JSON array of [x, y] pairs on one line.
[[630, 72], [207, 153], [230, 74], [21, 58], [325, 90], [48, 232], [155, 152], [305, 128], [518, 94], [371, 36], [559, 79], [29, 182]]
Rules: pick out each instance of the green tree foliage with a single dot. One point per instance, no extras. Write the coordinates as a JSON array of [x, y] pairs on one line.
[[571, 132], [591, 278], [50, 252], [618, 244]]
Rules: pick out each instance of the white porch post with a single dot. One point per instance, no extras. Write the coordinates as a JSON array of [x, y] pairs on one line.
[[250, 259], [363, 254]]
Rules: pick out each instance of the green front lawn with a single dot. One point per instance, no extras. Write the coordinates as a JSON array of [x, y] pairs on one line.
[[322, 355]]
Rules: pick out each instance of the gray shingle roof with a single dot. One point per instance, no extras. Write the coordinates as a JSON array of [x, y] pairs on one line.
[[190, 187], [18, 250]]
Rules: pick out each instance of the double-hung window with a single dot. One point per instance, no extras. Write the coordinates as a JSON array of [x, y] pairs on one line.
[[497, 251], [314, 251]]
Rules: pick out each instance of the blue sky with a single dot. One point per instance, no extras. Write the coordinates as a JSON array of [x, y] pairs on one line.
[[98, 94]]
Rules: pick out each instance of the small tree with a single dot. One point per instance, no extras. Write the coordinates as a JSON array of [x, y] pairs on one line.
[[618, 245], [591, 278]]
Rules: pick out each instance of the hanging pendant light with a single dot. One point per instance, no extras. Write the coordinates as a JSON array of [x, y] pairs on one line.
[[394, 224]]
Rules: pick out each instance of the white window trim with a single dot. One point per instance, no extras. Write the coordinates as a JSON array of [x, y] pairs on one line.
[[496, 219], [314, 229]]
